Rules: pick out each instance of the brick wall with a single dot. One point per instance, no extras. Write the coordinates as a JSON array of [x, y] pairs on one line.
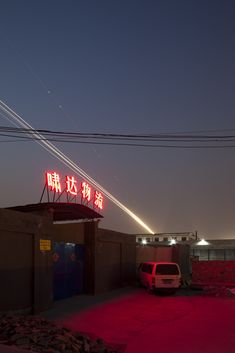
[[213, 273], [115, 260]]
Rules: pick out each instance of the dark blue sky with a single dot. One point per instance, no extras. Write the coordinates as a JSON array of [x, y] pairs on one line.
[[125, 67]]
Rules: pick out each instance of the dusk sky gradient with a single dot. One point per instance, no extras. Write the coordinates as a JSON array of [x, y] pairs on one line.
[[122, 66]]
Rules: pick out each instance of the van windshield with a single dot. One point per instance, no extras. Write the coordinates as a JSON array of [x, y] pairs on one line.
[[167, 269]]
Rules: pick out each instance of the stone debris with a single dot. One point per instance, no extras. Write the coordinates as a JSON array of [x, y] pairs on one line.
[[219, 291], [39, 335]]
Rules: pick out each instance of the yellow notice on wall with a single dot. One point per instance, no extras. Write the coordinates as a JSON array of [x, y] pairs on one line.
[[45, 245]]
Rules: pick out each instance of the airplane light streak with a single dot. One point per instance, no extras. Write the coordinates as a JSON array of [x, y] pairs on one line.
[[17, 120]]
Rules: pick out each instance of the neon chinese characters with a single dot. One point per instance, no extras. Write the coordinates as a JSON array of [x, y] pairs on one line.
[[86, 191], [70, 186], [98, 202], [53, 181]]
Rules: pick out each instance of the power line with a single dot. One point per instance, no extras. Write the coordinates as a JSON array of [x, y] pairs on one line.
[[22, 134], [112, 135], [30, 139], [16, 119]]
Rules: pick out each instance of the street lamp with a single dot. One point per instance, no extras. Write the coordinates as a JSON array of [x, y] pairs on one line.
[[172, 241], [202, 242], [144, 242]]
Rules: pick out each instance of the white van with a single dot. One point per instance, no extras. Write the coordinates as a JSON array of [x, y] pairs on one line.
[[160, 276]]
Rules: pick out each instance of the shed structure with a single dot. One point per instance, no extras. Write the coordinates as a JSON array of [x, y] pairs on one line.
[[50, 251]]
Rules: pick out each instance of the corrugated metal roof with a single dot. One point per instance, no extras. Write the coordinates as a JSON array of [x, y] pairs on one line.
[[61, 211]]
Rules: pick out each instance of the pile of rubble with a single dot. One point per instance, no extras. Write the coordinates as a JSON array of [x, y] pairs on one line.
[[219, 291], [40, 335]]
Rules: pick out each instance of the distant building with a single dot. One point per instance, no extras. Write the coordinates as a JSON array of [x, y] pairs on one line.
[[166, 238], [213, 249], [216, 249]]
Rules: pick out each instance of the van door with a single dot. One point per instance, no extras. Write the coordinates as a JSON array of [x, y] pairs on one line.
[[146, 275]]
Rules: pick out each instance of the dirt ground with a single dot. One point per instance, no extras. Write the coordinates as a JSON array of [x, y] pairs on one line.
[[187, 322]]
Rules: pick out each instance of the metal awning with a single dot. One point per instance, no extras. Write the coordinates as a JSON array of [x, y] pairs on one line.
[[61, 211]]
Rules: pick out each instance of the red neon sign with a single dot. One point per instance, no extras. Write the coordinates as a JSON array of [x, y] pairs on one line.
[[98, 202], [53, 181], [71, 185], [86, 191]]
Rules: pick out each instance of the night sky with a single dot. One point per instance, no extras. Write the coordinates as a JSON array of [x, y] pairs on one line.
[[125, 67]]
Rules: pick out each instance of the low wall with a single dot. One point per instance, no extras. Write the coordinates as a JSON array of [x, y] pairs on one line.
[[115, 258], [152, 253], [217, 273], [25, 269]]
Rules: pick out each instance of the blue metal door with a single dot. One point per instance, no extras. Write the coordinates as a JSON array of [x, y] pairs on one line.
[[68, 259], [79, 251]]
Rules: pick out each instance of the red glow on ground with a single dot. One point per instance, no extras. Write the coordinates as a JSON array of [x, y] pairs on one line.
[[150, 323]]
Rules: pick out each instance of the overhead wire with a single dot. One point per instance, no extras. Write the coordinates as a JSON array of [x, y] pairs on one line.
[[133, 139], [112, 135]]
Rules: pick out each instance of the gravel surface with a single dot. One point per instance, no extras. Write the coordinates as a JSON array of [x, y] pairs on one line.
[[219, 291], [39, 335]]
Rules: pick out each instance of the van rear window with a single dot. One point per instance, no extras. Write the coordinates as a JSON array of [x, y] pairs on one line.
[[167, 269]]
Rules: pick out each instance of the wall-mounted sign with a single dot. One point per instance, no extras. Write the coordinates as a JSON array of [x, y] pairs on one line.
[[70, 185], [45, 245]]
